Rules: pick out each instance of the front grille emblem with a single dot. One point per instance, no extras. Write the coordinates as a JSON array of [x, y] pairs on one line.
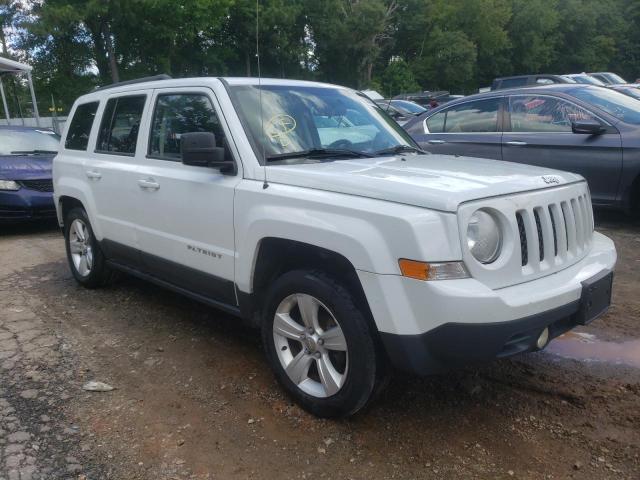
[[550, 179]]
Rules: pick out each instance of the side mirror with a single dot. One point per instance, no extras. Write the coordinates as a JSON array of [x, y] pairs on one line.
[[588, 127], [199, 150]]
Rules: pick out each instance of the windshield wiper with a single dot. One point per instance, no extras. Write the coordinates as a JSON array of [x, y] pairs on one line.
[[399, 149], [34, 152], [319, 153]]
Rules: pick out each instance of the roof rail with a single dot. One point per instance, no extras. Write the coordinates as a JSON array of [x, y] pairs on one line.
[[162, 76]]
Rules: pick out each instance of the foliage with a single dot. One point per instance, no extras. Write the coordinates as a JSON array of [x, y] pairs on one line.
[[397, 78], [398, 45]]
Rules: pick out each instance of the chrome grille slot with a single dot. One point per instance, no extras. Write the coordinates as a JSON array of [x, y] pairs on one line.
[[524, 253], [536, 216]]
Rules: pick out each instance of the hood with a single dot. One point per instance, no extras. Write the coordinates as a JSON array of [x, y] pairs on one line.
[[25, 167], [440, 182]]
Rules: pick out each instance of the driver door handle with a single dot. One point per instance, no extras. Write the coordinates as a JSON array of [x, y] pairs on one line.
[[148, 184], [93, 175], [436, 142], [516, 143]]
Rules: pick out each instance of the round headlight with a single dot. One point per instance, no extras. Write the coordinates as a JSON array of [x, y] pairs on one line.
[[483, 237]]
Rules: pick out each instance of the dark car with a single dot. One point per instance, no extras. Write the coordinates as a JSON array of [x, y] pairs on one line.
[[26, 187], [608, 78], [427, 98], [590, 130], [528, 80], [401, 110]]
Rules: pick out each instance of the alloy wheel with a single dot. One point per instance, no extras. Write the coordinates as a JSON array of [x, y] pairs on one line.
[[80, 247], [310, 345]]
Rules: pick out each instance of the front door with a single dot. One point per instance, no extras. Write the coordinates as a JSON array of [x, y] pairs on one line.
[[185, 228], [540, 134]]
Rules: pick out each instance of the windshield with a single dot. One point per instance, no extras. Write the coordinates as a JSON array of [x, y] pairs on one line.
[[631, 91], [20, 142], [307, 118], [619, 105], [587, 79], [408, 106], [614, 78]]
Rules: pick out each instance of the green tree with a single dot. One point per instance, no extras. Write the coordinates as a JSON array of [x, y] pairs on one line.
[[398, 78], [348, 36], [534, 33]]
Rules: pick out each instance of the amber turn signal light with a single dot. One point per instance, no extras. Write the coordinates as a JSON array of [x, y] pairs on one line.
[[414, 269]]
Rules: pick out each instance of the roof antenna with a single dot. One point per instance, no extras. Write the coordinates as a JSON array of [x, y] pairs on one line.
[[264, 139]]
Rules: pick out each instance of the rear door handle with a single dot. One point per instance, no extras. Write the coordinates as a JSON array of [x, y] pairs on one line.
[[516, 143], [436, 142], [93, 175], [148, 184]]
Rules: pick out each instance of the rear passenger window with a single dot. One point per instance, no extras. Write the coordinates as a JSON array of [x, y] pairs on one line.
[[473, 117], [120, 125], [80, 126], [176, 114]]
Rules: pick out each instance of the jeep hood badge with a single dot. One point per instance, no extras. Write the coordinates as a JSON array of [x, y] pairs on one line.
[[550, 179]]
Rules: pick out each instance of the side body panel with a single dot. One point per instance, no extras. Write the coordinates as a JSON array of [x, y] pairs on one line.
[[372, 234]]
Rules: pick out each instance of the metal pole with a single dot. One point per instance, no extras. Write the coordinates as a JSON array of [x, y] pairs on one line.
[[4, 103], [33, 99]]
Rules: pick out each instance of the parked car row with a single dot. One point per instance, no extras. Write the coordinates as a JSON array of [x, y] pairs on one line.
[[600, 78]]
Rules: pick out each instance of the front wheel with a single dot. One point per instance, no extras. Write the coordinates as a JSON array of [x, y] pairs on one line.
[[319, 344], [86, 260]]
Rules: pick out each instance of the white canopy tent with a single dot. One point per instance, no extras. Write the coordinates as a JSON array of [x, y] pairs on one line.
[[11, 67]]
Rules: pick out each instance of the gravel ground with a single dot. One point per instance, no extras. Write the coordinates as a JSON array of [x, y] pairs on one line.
[[194, 399]]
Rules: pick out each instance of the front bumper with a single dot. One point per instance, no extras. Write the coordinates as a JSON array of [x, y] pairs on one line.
[[26, 204], [427, 327]]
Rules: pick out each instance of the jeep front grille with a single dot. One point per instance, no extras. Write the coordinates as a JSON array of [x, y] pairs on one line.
[[554, 232]]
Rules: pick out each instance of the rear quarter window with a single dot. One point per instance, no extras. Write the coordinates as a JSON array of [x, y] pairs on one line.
[[80, 126]]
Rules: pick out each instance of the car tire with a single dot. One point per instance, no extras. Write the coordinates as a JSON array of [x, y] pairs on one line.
[[86, 260], [330, 365]]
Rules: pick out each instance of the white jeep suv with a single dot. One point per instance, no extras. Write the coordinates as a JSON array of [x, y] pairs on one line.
[[304, 209]]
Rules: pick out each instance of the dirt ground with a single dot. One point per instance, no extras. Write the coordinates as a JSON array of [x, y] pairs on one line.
[[194, 398]]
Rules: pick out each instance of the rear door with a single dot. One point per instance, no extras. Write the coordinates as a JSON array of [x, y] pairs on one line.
[[471, 129], [538, 132], [111, 174]]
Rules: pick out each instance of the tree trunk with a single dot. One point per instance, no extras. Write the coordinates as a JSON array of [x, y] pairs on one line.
[[99, 51], [248, 60], [113, 64], [3, 42]]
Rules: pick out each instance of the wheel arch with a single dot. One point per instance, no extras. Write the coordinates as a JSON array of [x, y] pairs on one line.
[[276, 256], [65, 205]]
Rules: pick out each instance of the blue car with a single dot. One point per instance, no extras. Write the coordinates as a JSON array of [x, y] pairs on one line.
[[26, 186]]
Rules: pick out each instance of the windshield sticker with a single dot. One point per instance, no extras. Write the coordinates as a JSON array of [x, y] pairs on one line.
[[279, 127]]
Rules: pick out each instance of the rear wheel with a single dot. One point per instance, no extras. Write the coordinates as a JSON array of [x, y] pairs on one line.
[[85, 257], [320, 346]]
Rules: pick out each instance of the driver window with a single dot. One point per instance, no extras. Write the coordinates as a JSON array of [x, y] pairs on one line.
[[176, 114], [544, 114]]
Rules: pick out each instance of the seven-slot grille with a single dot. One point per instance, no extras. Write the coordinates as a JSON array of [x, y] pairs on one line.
[[45, 185], [555, 232]]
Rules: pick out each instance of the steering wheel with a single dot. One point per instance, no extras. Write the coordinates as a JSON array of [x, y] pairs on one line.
[[343, 143]]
